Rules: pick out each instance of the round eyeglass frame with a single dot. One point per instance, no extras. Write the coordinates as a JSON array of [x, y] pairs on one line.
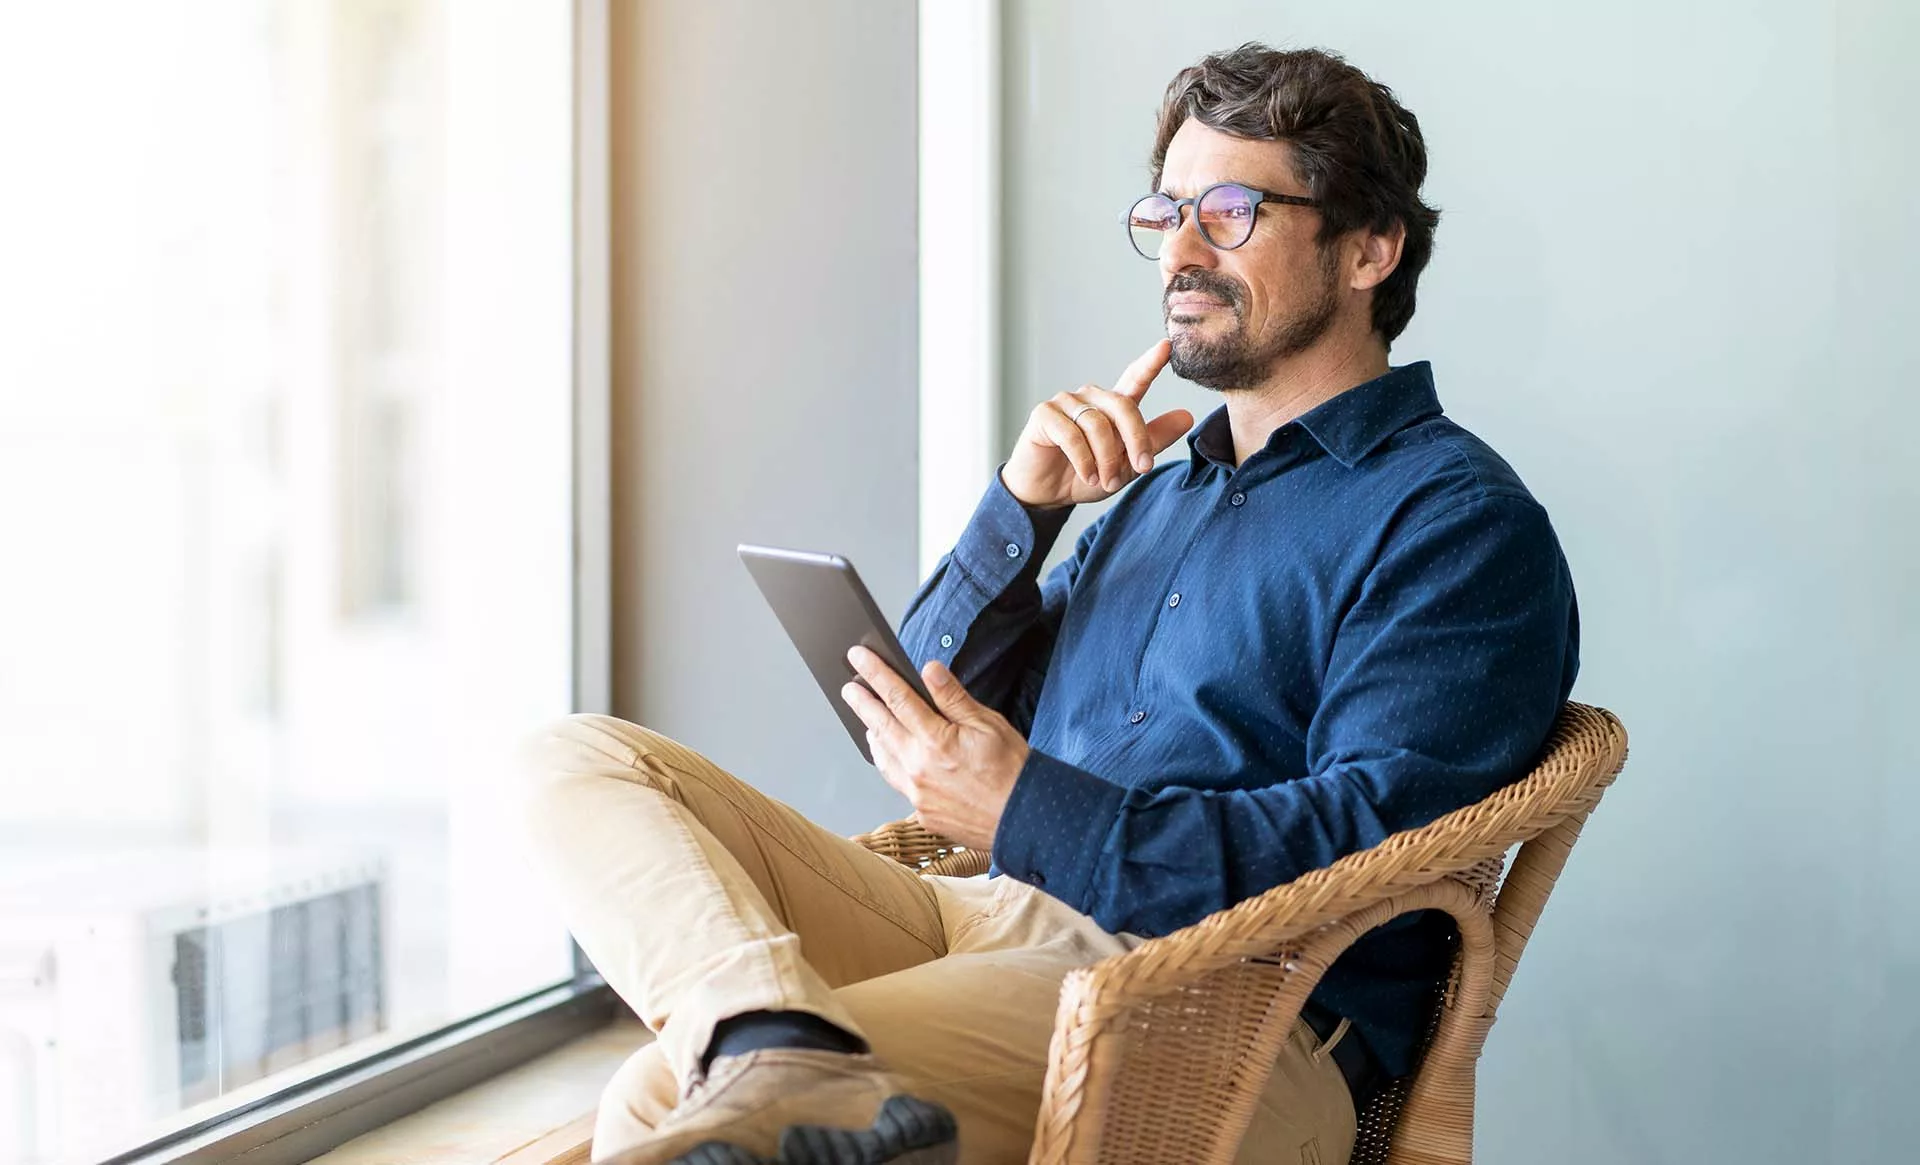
[[1255, 196]]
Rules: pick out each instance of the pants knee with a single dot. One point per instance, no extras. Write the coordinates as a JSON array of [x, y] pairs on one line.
[[580, 750], [582, 743]]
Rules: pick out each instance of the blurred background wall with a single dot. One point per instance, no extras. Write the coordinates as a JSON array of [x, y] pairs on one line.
[[764, 363]]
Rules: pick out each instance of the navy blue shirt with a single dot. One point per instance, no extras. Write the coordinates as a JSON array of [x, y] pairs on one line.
[[1245, 673]]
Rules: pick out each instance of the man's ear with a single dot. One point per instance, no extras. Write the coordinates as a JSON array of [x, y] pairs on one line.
[[1377, 255]]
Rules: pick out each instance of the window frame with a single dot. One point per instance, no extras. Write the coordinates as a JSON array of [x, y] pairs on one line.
[[315, 1115], [959, 125], [304, 1120]]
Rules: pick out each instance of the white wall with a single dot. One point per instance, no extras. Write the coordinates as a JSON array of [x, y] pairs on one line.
[[764, 363], [1674, 286]]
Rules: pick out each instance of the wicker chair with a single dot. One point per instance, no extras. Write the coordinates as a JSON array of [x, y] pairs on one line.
[[1160, 1054]]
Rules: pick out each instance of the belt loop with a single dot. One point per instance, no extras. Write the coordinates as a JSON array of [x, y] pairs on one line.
[[1339, 1033]]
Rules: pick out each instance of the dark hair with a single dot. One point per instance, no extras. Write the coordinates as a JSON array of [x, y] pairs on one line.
[[1355, 148]]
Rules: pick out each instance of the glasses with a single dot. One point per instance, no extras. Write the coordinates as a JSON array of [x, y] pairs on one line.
[[1224, 212]]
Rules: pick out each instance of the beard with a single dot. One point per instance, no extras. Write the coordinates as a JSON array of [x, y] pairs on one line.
[[1237, 360]]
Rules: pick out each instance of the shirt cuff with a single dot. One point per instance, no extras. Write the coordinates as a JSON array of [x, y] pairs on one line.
[[1054, 829], [1005, 539]]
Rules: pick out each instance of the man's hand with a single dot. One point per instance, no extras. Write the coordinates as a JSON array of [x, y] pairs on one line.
[[956, 762], [1086, 445]]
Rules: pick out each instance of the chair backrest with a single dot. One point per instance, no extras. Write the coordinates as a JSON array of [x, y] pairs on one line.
[[1429, 1120]]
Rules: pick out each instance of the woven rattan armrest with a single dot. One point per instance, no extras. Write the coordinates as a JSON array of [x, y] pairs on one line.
[[1466, 844], [1579, 761], [912, 844], [1194, 1018], [1161, 1053]]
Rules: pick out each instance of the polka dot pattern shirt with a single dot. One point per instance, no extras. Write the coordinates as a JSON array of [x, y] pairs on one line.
[[1243, 673]]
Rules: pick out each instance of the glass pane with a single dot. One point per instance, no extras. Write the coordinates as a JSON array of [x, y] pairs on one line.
[[285, 497]]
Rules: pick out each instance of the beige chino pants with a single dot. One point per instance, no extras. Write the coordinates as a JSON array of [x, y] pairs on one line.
[[700, 898]]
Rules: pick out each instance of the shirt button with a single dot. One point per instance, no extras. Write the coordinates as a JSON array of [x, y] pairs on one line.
[[1136, 718], [946, 641], [1173, 600], [1238, 498], [1038, 880], [1013, 550]]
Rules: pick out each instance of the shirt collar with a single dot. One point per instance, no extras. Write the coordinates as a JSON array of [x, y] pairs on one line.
[[1349, 427]]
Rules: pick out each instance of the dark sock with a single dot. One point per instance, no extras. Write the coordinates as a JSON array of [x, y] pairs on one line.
[[778, 1029]]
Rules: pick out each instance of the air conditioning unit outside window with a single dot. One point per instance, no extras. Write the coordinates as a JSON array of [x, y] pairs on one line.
[[136, 984]]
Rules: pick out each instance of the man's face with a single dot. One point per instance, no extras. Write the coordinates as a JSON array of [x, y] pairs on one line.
[[1233, 315]]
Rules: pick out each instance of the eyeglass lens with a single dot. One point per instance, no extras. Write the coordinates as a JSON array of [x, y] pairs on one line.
[[1226, 219]]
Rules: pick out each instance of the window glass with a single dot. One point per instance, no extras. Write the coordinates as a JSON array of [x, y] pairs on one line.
[[285, 539]]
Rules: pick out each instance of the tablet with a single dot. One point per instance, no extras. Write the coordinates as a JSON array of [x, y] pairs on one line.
[[826, 609]]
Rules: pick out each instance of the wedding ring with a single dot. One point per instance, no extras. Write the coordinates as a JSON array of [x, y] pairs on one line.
[[1075, 418]]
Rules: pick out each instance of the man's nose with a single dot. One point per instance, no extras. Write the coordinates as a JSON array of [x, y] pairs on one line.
[[1183, 248]]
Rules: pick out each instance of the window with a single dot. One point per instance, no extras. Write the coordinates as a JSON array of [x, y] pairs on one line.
[[287, 523]]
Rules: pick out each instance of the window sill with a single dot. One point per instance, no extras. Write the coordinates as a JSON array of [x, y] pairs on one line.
[[540, 1113]]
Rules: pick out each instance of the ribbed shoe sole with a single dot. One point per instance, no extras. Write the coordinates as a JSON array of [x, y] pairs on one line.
[[906, 1131]]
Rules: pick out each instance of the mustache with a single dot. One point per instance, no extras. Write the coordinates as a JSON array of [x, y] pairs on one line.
[[1206, 283]]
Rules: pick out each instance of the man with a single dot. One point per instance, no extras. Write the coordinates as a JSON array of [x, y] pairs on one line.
[[1339, 616]]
